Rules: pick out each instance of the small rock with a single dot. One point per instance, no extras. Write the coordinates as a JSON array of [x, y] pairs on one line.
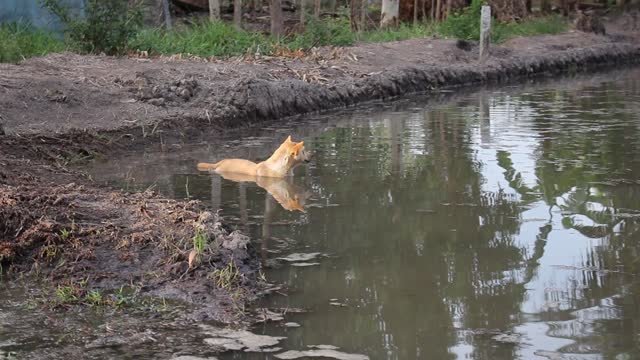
[[157, 102], [236, 240], [185, 94]]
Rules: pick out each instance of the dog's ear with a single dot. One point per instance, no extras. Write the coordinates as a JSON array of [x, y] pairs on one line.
[[288, 139], [297, 147]]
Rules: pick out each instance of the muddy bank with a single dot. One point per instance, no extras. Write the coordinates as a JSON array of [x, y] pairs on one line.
[[56, 226], [142, 98]]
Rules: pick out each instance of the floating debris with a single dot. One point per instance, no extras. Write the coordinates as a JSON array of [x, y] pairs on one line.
[[300, 257], [189, 357], [292, 324], [553, 355], [323, 347], [305, 264], [265, 315], [507, 338], [225, 343], [321, 353], [339, 304], [427, 211], [290, 310], [227, 339]]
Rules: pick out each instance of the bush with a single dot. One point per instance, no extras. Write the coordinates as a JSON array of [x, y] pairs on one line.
[[105, 27], [21, 41], [465, 24]]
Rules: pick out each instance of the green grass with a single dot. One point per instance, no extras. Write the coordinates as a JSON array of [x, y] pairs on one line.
[[220, 39], [542, 25], [205, 40], [466, 25], [199, 242], [403, 32], [21, 41]]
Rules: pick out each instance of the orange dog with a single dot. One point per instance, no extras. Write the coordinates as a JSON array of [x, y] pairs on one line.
[[289, 155]]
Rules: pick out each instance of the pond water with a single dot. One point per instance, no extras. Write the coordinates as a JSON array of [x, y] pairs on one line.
[[495, 224]]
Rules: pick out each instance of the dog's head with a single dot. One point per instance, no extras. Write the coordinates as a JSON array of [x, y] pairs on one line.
[[296, 153]]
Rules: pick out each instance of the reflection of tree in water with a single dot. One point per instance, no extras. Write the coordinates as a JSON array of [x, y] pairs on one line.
[[426, 229], [586, 166]]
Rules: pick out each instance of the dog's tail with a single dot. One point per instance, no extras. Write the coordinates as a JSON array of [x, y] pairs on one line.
[[208, 166]]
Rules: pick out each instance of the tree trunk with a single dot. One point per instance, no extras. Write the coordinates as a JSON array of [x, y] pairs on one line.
[[438, 8], [448, 8], [545, 6], [363, 14], [214, 10], [316, 11], [356, 8], [166, 13], [433, 10], [276, 18], [415, 12], [237, 14], [302, 10], [390, 12]]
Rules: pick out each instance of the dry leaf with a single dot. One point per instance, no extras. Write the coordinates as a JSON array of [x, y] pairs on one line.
[[192, 257]]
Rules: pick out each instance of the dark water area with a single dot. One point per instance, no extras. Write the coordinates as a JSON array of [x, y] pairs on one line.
[[496, 224]]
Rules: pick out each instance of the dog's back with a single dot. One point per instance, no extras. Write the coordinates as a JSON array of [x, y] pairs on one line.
[[231, 165]]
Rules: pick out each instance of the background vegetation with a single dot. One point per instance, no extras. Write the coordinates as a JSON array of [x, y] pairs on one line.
[[116, 28]]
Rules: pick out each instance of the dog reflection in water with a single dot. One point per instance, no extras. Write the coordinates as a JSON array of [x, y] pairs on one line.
[[290, 196]]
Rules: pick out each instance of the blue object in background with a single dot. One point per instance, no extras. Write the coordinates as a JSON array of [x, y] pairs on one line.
[[31, 11]]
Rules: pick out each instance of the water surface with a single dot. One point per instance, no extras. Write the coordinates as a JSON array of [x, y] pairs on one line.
[[447, 224]]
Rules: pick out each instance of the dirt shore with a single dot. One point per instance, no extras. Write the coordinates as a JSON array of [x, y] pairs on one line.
[[65, 108]]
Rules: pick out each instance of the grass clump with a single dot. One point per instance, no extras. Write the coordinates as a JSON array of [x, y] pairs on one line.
[[206, 39], [228, 276], [336, 32], [21, 41], [402, 32]]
